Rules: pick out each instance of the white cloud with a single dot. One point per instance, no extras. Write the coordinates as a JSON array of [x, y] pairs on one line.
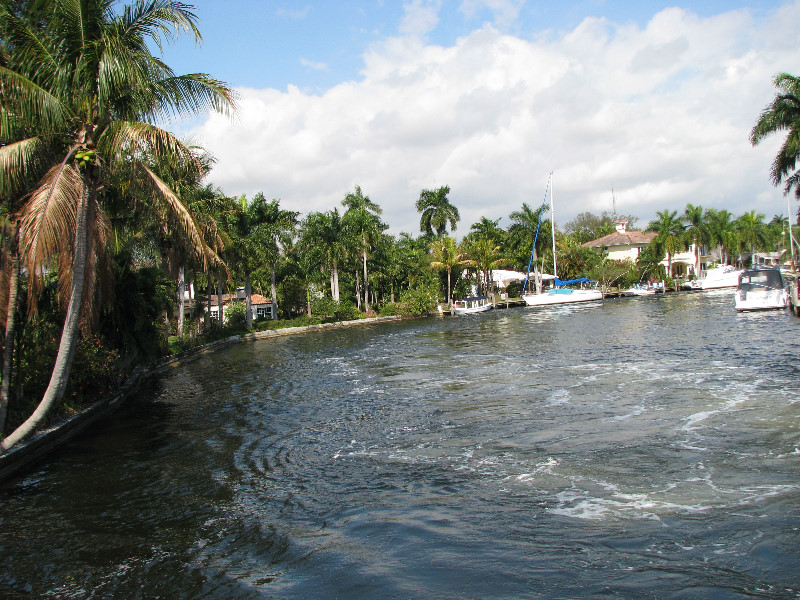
[[316, 66], [421, 16], [505, 12], [663, 112]]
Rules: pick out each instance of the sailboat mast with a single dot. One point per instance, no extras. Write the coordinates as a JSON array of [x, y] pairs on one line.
[[553, 226]]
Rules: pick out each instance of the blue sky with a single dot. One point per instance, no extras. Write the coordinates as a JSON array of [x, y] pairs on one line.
[[489, 96]]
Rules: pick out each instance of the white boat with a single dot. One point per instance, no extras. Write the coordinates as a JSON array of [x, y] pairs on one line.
[[562, 295], [639, 290], [721, 276], [559, 293], [761, 289], [475, 304]]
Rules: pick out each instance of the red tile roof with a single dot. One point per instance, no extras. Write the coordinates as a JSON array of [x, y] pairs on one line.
[[629, 238]]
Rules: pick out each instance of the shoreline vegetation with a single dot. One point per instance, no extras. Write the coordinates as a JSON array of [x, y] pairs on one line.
[[116, 250]]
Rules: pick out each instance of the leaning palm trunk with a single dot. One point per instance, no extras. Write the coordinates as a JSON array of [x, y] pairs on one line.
[[13, 288], [69, 335]]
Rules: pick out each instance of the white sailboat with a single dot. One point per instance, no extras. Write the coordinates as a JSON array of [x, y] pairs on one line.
[[559, 293]]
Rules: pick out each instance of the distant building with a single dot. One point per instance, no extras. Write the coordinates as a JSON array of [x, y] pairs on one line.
[[627, 245], [262, 307], [623, 244]]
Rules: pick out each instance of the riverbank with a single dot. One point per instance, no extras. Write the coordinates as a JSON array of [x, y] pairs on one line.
[[39, 446]]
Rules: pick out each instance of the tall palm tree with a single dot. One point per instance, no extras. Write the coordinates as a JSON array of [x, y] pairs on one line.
[[322, 240], [752, 232], [271, 230], [722, 233], [436, 211], [525, 224], [362, 218], [696, 232], [485, 256], [669, 235], [488, 229], [83, 82], [783, 114], [445, 254]]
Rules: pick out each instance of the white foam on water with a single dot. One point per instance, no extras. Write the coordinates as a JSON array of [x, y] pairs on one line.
[[558, 397]]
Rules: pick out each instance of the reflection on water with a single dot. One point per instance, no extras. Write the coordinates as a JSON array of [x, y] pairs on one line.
[[645, 447]]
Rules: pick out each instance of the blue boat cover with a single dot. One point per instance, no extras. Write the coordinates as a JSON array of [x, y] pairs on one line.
[[560, 282]]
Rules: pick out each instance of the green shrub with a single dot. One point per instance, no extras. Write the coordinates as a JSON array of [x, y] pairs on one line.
[[236, 316], [329, 309], [418, 301]]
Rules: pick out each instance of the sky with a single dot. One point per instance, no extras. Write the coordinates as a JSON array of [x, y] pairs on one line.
[[639, 106]]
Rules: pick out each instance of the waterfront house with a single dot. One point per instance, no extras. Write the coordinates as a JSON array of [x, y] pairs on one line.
[[623, 244], [262, 308], [626, 244]]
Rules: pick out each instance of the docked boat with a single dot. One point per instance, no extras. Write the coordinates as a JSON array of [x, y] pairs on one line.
[[475, 304], [564, 295], [639, 290], [559, 293], [721, 276], [761, 289]]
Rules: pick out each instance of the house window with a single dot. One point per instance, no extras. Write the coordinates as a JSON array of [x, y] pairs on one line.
[[262, 312]]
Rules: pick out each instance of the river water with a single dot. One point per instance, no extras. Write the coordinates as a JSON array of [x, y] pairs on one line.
[[635, 448]]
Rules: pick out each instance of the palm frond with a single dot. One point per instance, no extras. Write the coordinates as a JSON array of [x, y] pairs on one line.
[[194, 93], [124, 142], [48, 224], [17, 164], [181, 215], [157, 20], [30, 103]]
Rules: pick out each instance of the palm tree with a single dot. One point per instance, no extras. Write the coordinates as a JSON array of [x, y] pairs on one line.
[[83, 84], [783, 114], [696, 232], [272, 229], [752, 232], [446, 255], [436, 211], [669, 232], [488, 229], [322, 239], [485, 256], [721, 232], [362, 220], [525, 224]]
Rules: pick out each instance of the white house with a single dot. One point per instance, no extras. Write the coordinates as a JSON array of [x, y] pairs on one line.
[[627, 245], [623, 244], [262, 307]]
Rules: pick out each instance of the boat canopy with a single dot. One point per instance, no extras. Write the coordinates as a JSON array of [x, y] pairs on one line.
[[752, 278], [473, 299], [559, 282]]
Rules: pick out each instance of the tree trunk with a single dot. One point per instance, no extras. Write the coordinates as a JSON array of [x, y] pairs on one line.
[[208, 310], [335, 281], [366, 280], [219, 303], [69, 335], [181, 294], [248, 301], [449, 295], [8, 351], [274, 291], [358, 290]]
